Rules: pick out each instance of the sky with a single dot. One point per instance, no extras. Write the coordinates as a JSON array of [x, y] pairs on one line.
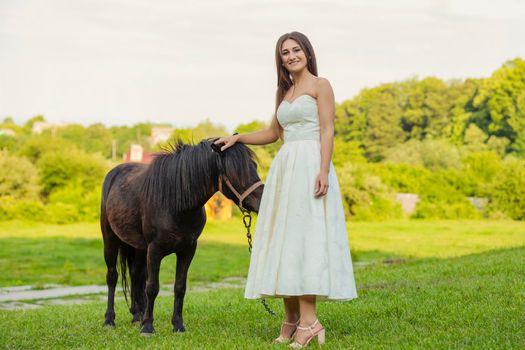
[[121, 62]]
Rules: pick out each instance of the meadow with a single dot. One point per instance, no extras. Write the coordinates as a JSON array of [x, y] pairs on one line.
[[422, 284]]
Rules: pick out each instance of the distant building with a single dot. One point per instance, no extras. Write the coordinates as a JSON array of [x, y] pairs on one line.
[[39, 127], [408, 201], [7, 132], [219, 207], [478, 202], [137, 154], [160, 134]]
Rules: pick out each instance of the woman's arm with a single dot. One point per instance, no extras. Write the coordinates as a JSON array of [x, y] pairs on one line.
[[262, 137], [326, 108]]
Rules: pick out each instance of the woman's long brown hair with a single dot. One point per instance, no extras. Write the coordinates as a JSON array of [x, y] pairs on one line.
[[284, 79]]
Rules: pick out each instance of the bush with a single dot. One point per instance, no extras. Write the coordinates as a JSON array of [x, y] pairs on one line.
[[508, 190], [18, 177], [86, 203], [480, 169], [61, 213], [59, 169], [366, 197], [11, 209], [443, 210], [432, 154], [401, 177], [440, 199]]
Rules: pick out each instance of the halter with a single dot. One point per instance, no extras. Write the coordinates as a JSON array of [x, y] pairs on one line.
[[239, 196]]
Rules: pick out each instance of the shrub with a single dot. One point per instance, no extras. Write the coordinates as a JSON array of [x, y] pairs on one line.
[[25, 209], [443, 210], [18, 177], [86, 203], [61, 213], [440, 199], [58, 169], [480, 169], [401, 177], [365, 196], [508, 190], [432, 154]]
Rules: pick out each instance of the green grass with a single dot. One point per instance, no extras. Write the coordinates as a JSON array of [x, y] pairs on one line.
[[37, 254], [472, 301]]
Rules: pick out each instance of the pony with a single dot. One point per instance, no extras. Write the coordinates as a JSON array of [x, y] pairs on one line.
[[151, 211]]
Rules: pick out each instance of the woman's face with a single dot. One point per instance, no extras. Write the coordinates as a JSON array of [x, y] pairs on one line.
[[293, 57]]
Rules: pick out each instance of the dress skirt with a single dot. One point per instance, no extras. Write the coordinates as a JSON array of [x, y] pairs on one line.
[[300, 242]]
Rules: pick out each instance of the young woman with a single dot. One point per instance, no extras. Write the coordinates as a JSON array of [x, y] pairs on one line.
[[300, 249]]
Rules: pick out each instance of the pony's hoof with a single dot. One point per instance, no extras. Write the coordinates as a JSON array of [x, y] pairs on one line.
[[137, 319], [147, 330], [108, 323], [179, 329]]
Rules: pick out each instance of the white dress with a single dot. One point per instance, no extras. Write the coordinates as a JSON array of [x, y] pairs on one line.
[[300, 244]]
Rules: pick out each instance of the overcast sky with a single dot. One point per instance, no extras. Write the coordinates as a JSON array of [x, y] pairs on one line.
[[181, 62]]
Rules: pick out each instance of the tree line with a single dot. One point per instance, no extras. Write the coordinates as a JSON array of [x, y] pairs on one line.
[[443, 140]]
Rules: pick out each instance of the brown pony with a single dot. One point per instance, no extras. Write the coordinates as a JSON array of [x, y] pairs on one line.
[[151, 211]]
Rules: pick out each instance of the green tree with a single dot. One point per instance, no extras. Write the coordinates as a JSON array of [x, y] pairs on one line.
[[94, 138], [426, 108], [203, 130], [372, 118], [124, 136], [33, 147], [500, 105], [28, 126]]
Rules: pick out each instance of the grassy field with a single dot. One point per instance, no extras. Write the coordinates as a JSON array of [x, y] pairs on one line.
[[474, 301], [429, 284], [36, 254]]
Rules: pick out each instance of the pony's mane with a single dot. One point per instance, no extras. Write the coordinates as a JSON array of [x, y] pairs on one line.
[[182, 174]]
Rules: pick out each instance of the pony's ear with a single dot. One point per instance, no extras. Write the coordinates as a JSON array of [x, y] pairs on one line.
[[215, 147]]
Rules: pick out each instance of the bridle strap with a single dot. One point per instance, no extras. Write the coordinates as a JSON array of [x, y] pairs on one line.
[[239, 196]]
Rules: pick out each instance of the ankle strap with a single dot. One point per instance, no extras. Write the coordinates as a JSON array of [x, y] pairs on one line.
[[309, 328], [291, 324]]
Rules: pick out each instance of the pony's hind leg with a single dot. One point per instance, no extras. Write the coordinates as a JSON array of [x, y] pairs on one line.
[[137, 270], [183, 263], [153, 259], [111, 248]]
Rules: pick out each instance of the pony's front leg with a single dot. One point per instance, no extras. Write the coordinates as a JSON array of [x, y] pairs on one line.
[[154, 258], [183, 263]]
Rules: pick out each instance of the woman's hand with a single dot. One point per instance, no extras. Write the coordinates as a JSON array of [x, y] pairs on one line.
[[227, 141], [321, 184]]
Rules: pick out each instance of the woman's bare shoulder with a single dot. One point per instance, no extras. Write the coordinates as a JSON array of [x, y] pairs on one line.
[[322, 85]]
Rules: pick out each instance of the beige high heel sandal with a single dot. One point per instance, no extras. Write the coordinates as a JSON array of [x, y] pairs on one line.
[[319, 334], [280, 338]]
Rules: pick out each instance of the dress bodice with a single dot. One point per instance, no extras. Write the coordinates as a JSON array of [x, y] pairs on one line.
[[299, 118]]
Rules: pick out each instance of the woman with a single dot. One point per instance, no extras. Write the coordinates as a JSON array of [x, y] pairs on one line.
[[300, 250]]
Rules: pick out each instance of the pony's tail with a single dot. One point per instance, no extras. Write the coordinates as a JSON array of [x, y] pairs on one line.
[[125, 253]]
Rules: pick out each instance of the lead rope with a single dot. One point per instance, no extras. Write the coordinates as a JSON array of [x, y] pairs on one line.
[[247, 220]]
